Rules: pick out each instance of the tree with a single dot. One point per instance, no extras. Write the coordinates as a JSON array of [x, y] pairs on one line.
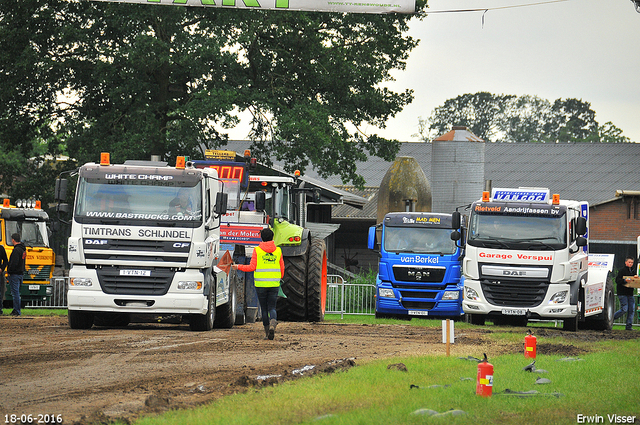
[[507, 118], [31, 79], [480, 112], [571, 120], [143, 80], [524, 119], [609, 133]]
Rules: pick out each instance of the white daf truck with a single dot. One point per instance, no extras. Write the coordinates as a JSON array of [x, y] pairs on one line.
[[145, 240], [527, 258]]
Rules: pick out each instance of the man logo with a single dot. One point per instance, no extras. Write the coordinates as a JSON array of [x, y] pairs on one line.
[[96, 242], [514, 273], [181, 244]]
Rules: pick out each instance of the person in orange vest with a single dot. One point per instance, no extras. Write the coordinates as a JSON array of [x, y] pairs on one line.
[[267, 266]]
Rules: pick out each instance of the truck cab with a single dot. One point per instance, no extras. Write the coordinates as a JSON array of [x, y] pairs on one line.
[[29, 220], [419, 266], [527, 258], [145, 240]]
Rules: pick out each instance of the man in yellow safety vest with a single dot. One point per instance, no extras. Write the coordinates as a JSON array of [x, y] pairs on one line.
[[267, 266]]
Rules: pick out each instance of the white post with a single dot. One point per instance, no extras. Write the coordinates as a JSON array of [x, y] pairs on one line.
[[447, 333]]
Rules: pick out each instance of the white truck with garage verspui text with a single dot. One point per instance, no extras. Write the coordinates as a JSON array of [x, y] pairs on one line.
[[145, 240], [527, 258]]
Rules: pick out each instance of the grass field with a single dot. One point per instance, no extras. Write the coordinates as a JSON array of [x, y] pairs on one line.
[[436, 389]]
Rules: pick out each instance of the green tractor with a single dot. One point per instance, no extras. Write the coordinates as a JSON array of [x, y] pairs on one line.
[[255, 201], [305, 256]]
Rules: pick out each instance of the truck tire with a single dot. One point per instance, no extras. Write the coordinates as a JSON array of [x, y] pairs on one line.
[[112, 320], [604, 320], [570, 325], [294, 286], [226, 314], [204, 322], [80, 319], [317, 281], [477, 319], [241, 317]]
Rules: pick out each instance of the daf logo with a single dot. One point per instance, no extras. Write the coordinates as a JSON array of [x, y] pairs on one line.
[[96, 241], [181, 244], [514, 273]]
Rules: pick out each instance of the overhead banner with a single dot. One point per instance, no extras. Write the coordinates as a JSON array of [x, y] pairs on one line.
[[352, 6]]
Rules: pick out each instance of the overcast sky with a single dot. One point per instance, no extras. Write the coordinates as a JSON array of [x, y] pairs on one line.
[[584, 49]]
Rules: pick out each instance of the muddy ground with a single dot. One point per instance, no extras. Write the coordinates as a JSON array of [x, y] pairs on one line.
[[99, 375]]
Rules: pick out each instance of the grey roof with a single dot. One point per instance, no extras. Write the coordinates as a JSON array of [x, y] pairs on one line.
[[368, 211], [581, 171]]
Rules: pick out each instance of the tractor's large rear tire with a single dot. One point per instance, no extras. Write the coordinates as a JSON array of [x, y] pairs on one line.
[[317, 281], [294, 285]]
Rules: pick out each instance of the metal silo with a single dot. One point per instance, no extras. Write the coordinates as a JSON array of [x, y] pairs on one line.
[[404, 188], [457, 169]]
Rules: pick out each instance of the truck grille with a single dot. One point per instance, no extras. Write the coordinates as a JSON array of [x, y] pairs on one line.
[[113, 283], [418, 305], [35, 272], [419, 294], [117, 250], [509, 293], [419, 274]]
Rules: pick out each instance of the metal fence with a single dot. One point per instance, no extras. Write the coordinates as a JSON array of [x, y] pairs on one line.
[[349, 298], [58, 298]]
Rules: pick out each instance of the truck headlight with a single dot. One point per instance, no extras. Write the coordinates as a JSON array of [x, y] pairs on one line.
[[80, 281], [559, 297], [48, 290], [451, 295], [189, 284], [471, 294], [386, 293]]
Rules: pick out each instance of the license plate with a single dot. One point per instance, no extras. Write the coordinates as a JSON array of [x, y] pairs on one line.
[[514, 311], [34, 287], [418, 313], [135, 272]]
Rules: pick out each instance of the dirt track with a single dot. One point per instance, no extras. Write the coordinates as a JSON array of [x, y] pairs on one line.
[[104, 374]]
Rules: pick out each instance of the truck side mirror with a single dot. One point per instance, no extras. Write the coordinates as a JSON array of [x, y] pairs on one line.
[[60, 193], [581, 226], [261, 200], [63, 208], [581, 241], [316, 196], [455, 235], [371, 242], [455, 221], [221, 203]]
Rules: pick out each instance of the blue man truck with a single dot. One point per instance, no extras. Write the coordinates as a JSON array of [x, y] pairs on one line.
[[419, 267]]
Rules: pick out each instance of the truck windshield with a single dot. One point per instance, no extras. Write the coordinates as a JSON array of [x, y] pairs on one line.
[[135, 200], [418, 240], [504, 231], [31, 233]]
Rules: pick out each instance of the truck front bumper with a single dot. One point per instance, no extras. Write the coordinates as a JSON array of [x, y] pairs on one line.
[[423, 302], [175, 301], [474, 302]]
